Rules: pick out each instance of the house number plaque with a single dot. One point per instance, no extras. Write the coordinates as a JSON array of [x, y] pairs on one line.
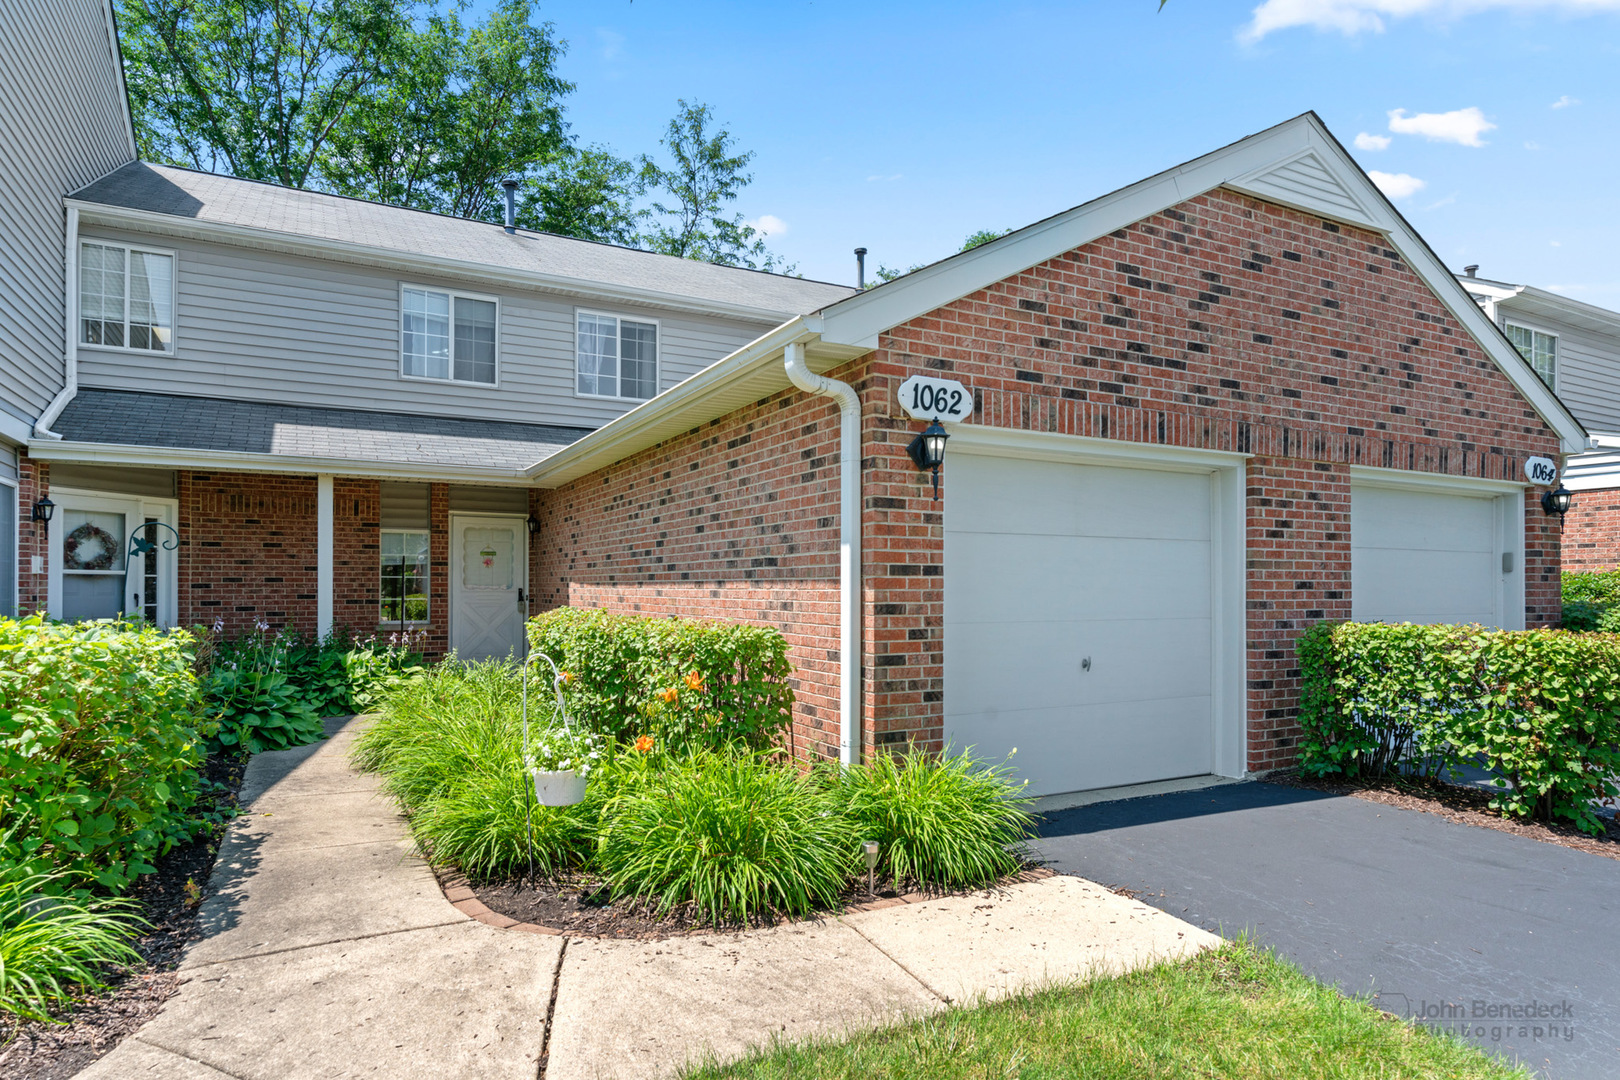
[[1540, 470], [928, 398]]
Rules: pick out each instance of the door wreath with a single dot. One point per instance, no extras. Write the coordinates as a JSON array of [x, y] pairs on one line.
[[89, 547]]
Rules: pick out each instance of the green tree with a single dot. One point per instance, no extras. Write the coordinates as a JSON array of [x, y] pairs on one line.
[[459, 110], [253, 86], [587, 193], [691, 213]]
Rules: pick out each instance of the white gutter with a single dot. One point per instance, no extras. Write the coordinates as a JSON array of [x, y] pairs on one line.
[[172, 457], [849, 538], [70, 386]]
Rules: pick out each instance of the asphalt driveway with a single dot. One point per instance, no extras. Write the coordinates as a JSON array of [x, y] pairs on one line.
[[1437, 920]]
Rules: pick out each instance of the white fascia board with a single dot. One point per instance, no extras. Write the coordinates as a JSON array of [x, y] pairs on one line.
[[679, 408], [119, 217], [170, 457], [1588, 317], [860, 319], [1407, 479]]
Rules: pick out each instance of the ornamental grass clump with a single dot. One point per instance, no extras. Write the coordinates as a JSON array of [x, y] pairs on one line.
[[728, 837], [945, 822], [52, 945]]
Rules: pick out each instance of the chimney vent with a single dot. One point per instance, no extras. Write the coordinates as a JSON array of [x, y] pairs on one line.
[[860, 268], [511, 187], [1472, 270]]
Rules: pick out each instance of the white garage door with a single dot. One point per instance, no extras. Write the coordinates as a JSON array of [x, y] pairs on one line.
[[1425, 557], [1078, 620]]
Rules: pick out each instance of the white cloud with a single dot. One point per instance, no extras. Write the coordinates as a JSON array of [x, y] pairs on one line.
[[883, 179], [1556, 243], [1364, 141], [767, 225], [1396, 185], [1438, 203], [610, 43], [1463, 126], [1564, 102], [1351, 17], [1532, 145]]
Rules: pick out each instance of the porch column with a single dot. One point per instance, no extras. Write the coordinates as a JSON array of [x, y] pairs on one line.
[[323, 555]]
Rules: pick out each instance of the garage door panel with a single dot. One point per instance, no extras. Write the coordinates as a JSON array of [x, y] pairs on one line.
[[1074, 748], [1060, 499], [1057, 577], [1424, 557], [1038, 664]]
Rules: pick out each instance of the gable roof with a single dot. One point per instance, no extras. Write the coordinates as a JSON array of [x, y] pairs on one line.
[[1297, 163], [212, 206]]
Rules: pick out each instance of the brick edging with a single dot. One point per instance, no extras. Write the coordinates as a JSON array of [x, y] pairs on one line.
[[460, 895]]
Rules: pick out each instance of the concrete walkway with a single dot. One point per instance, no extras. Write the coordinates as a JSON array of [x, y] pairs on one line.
[[330, 951]]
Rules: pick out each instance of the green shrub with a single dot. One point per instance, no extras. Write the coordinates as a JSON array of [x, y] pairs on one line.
[[373, 669], [688, 685], [947, 822], [1582, 616], [101, 733], [50, 944], [728, 835], [1601, 587], [1539, 708]]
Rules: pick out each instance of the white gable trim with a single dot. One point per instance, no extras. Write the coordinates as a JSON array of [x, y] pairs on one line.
[[1297, 163]]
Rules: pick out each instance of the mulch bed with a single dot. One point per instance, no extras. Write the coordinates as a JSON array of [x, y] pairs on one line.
[[96, 1023], [1463, 805], [581, 907]]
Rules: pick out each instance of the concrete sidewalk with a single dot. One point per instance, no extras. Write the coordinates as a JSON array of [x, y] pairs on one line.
[[330, 951]]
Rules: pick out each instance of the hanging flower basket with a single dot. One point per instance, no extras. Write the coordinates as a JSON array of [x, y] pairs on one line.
[[563, 787]]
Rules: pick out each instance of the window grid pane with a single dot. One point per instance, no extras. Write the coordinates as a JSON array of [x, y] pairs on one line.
[[150, 300], [638, 360], [101, 294], [1539, 350], [404, 585], [427, 334], [475, 340], [598, 355]]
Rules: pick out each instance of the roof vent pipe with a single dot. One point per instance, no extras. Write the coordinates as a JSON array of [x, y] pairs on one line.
[[1472, 270], [511, 187], [860, 268]]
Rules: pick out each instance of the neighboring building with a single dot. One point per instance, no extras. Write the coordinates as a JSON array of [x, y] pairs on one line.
[[64, 122], [1575, 348], [1209, 410]]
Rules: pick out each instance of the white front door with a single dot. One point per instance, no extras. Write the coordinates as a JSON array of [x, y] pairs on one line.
[[1079, 620], [488, 577], [93, 574]]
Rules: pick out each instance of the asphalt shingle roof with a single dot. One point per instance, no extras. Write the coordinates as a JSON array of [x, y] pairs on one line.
[[209, 197], [196, 423]]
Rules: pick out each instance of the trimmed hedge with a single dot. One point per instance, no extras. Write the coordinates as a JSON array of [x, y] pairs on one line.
[[1539, 708], [686, 684], [101, 734]]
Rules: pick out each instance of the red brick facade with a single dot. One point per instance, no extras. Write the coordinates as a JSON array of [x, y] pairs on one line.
[[356, 551], [247, 550], [33, 480], [1592, 531]]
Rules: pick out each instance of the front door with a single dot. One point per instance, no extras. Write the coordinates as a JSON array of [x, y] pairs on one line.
[[488, 575], [93, 575]]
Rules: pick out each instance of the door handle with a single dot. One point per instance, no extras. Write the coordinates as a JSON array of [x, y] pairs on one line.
[[520, 596]]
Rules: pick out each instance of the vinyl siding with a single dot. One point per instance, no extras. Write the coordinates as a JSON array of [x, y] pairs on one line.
[[261, 326], [62, 126], [1588, 378]]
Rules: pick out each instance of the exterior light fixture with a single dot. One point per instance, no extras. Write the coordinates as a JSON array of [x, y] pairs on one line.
[[1557, 502], [534, 525], [869, 849], [928, 450], [42, 513]]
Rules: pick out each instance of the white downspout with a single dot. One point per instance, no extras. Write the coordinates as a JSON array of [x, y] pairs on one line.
[[849, 540], [70, 386]]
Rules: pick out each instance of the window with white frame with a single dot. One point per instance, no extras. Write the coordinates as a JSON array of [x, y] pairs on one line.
[[126, 297], [618, 357], [1540, 349], [404, 590], [447, 335]]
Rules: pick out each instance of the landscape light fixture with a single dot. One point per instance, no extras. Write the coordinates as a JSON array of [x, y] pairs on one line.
[[869, 848], [928, 450], [42, 513], [1557, 502]]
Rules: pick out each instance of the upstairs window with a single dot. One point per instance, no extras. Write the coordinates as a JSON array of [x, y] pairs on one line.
[[126, 297], [1540, 349], [618, 358], [447, 335]]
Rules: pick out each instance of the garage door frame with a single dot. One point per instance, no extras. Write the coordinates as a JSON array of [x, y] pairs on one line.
[[1227, 472], [1508, 498]]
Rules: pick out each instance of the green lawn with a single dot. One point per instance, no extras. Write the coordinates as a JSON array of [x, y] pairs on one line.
[[1233, 1012]]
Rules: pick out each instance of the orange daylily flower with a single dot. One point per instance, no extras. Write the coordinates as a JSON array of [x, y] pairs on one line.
[[670, 695], [644, 744], [567, 677], [695, 680]]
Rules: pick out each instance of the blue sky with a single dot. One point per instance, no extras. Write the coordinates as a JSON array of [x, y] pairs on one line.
[[905, 126]]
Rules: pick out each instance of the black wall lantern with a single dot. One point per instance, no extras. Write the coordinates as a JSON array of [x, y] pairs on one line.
[[534, 525], [928, 450], [43, 509], [1557, 502]]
